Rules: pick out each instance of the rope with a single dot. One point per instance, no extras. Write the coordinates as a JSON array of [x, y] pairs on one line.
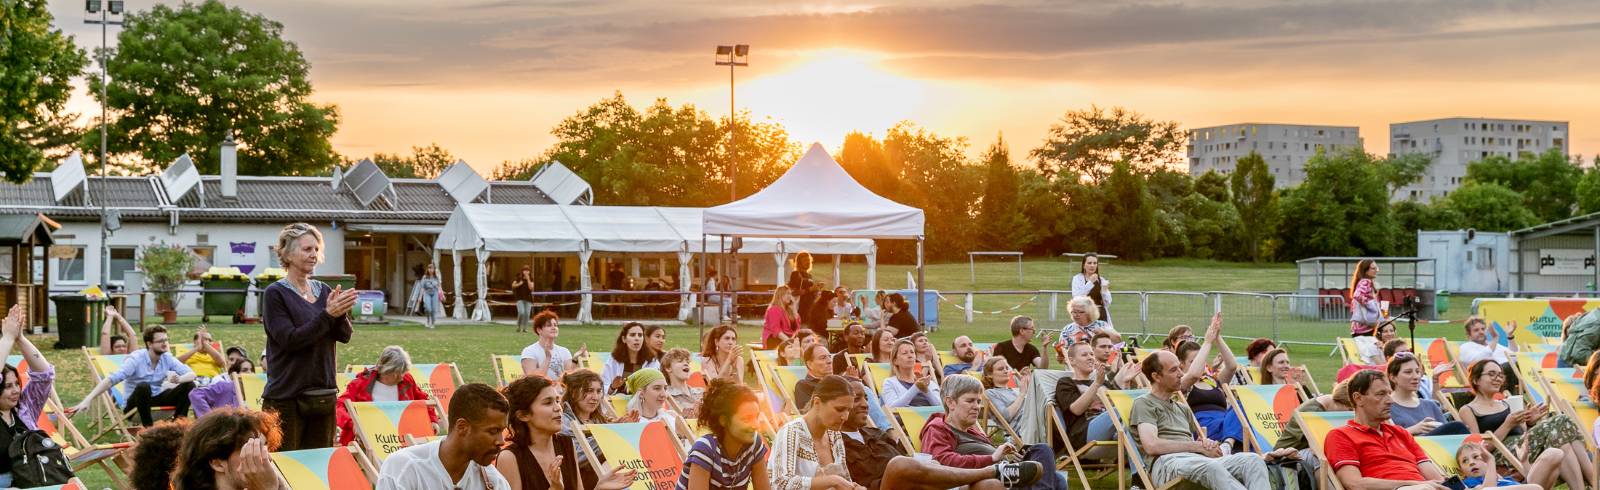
[[976, 311]]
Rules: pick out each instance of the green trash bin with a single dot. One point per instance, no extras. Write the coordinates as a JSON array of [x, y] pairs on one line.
[[263, 279], [225, 292], [1441, 302], [336, 280], [78, 319]]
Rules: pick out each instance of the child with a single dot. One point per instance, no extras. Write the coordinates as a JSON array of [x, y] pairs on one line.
[[1478, 471]]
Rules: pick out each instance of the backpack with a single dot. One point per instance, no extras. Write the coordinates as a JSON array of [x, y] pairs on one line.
[[37, 461]]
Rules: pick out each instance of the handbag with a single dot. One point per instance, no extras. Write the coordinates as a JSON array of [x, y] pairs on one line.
[[318, 402], [1366, 313]]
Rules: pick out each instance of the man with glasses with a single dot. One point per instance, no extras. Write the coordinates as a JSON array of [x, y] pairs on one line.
[[1020, 351], [155, 378]]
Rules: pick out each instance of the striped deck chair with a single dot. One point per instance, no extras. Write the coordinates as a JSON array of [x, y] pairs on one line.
[[648, 447], [72, 484], [381, 427], [1441, 351], [595, 361], [1350, 351], [1119, 403], [910, 421], [1264, 410], [332, 468], [784, 378], [618, 405], [1316, 426], [1442, 450], [773, 403], [877, 372], [437, 380], [80, 453], [1528, 366], [110, 418], [506, 369], [1565, 387], [248, 387]]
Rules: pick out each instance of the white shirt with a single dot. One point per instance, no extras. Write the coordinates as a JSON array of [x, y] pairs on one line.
[[384, 393], [613, 369], [560, 357], [1473, 352], [419, 468]]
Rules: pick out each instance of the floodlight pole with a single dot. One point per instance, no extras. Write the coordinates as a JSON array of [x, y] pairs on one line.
[[105, 229], [737, 55]]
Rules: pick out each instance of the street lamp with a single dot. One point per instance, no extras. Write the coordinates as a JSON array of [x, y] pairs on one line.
[[732, 56], [110, 13]]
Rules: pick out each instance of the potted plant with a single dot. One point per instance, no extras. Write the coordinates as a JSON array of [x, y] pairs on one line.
[[166, 268]]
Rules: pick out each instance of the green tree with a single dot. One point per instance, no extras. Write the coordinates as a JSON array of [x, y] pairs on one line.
[[1547, 182], [1214, 186], [1587, 190], [1003, 227], [424, 162], [1411, 216], [1090, 142], [1168, 187], [1490, 207], [1130, 230], [183, 77], [1403, 170], [37, 64], [1255, 202], [863, 158], [1342, 208], [938, 178]]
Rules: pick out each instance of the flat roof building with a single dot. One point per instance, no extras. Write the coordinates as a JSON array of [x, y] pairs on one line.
[[1285, 147], [1456, 142]]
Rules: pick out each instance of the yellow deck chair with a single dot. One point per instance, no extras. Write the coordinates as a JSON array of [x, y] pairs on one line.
[[910, 421], [1316, 426], [381, 427], [784, 378], [1119, 403], [877, 372], [1565, 386], [648, 447], [1351, 352], [618, 405], [774, 403], [248, 387], [437, 380], [80, 453], [1079, 457], [506, 369], [1442, 450], [108, 414], [1528, 368], [595, 361], [332, 468], [1264, 410]]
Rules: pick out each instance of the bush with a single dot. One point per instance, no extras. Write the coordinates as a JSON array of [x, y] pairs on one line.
[[165, 268]]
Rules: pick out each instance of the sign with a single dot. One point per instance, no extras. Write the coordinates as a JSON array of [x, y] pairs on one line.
[[1537, 319], [1566, 262], [243, 256]]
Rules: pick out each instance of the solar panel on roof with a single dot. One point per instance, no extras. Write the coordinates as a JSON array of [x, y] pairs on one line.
[[367, 182], [562, 185], [68, 176], [180, 178], [462, 182]]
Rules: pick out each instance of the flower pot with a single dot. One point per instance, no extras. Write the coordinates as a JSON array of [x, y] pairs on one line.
[[169, 316]]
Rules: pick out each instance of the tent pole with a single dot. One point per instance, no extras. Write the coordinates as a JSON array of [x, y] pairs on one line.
[[920, 286], [699, 305]]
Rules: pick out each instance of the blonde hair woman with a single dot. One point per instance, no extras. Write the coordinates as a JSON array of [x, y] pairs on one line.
[[780, 321], [305, 321], [1085, 323]]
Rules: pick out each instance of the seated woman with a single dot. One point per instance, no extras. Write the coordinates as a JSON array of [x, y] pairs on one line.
[[685, 399], [881, 346], [1372, 352], [581, 403], [1207, 392], [1078, 395], [1085, 323], [539, 456], [908, 387], [1007, 390], [720, 355], [1478, 471], [808, 452], [821, 311], [649, 403], [387, 381], [629, 353], [953, 438], [731, 455], [1531, 431], [22, 405], [1276, 370], [1176, 336], [927, 354], [1420, 416], [789, 352]]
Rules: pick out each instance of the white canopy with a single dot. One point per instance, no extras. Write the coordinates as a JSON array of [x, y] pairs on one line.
[[815, 198], [548, 228]]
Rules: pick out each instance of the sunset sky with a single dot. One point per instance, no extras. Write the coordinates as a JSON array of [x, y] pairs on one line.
[[487, 79]]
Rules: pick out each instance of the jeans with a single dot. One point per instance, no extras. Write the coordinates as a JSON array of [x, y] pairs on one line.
[[1049, 479], [142, 400], [1239, 471], [524, 314], [300, 432]]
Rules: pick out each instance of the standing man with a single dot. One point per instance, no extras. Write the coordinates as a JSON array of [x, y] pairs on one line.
[[464, 459], [1165, 431], [154, 379]]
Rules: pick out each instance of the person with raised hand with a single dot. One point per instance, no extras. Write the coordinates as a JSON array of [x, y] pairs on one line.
[[909, 386], [305, 320], [539, 455], [116, 333], [154, 378], [19, 407], [228, 450]]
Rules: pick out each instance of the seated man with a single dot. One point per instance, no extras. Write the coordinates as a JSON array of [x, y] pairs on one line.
[[154, 378], [969, 356], [464, 458], [1164, 429], [1369, 452], [1479, 347], [875, 459], [854, 341], [204, 358], [818, 365]]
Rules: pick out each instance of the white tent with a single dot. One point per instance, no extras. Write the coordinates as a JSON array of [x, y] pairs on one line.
[[486, 230], [817, 198]]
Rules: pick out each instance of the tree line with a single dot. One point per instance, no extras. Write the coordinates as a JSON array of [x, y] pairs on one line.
[[1103, 179]]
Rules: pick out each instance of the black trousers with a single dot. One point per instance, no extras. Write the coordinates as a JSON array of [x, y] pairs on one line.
[[301, 430], [142, 400]]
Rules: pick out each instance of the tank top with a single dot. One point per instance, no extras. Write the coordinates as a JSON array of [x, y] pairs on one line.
[[1206, 399], [1490, 422], [528, 467]]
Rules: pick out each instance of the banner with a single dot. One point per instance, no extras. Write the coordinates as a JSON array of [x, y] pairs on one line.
[[1442, 449], [1267, 408], [648, 448], [327, 468], [1538, 319], [384, 425], [1566, 262], [243, 256]]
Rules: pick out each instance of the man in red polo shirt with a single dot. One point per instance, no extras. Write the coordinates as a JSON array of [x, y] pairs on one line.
[[1370, 453]]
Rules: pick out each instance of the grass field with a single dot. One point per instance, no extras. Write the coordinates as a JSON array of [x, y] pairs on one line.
[[469, 346]]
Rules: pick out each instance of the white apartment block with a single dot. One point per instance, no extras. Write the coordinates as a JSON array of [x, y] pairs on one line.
[[1285, 147], [1456, 142]]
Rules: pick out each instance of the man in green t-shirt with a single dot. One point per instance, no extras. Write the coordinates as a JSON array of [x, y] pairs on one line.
[[1164, 429]]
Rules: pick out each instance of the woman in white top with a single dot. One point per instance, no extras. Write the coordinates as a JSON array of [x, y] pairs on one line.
[[909, 388], [649, 403], [1088, 282], [841, 304], [545, 358], [808, 452], [628, 354]]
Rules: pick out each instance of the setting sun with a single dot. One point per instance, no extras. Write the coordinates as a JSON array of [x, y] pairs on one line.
[[832, 92]]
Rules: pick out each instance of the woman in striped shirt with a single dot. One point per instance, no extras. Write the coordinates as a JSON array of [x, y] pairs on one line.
[[732, 455]]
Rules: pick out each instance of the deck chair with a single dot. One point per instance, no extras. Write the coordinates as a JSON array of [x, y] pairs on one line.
[[618, 405], [381, 427], [648, 447], [1440, 351], [773, 404], [784, 378], [21, 363], [72, 484], [1078, 457], [1565, 387], [595, 361], [1442, 450], [1528, 366], [248, 387], [324, 469], [877, 372], [910, 421], [1119, 403], [1316, 426], [437, 380], [506, 369], [1264, 410], [1350, 351], [107, 408], [80, 453]]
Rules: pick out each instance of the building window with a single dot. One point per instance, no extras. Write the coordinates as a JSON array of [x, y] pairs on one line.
[[122, 261], [205, 256], [69, 265]]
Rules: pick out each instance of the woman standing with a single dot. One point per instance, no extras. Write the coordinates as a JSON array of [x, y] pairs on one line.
[[425, 296], [1088, 282], [720, 355], [780, 321], [909, 387], [305, 320], [801, 285], [1365, 310], [731, 456], [628, 354], [522, 290], [808, 452], [540, 456]]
